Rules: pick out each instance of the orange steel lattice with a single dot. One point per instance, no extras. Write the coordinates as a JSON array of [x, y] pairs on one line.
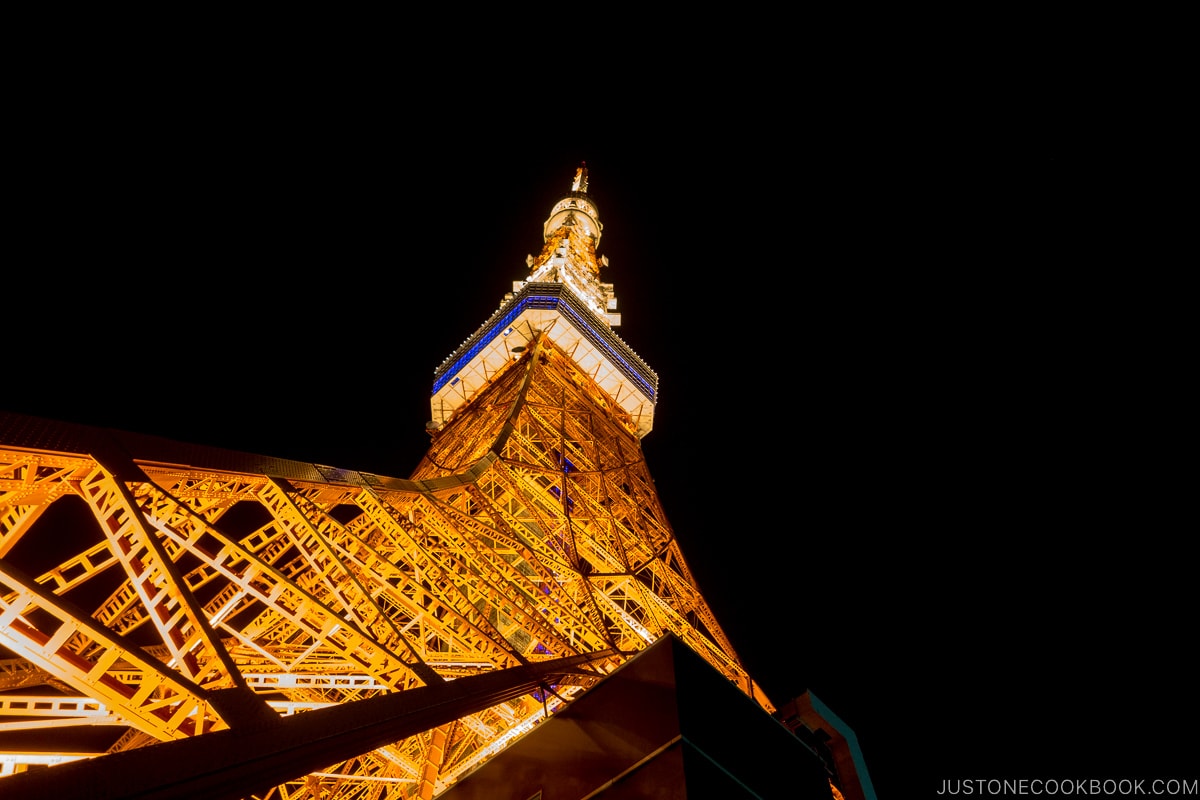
[[145, 588]]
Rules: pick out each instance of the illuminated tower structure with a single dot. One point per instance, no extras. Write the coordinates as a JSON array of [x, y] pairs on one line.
[[536, 421], [201, 592]]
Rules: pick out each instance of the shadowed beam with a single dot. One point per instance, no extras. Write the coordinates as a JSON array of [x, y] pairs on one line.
[[253, 757]]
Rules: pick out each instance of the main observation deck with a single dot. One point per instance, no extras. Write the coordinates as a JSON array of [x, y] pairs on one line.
[[554, 309]]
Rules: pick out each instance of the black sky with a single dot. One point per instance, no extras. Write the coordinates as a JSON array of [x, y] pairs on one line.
[[884, 437]]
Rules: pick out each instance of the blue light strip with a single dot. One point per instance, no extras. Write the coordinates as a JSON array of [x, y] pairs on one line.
[[596, 338], [475, 344], [553, 296]]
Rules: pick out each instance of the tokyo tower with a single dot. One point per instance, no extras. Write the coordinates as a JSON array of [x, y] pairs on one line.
[[154, 592]]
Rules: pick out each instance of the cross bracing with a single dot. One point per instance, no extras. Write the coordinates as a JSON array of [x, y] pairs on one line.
[[531, 530]]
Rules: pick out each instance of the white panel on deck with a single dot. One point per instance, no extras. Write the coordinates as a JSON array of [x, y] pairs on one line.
[[497, 353]]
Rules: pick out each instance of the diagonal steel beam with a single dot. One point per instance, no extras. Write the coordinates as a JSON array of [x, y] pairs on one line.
[[257, 755]]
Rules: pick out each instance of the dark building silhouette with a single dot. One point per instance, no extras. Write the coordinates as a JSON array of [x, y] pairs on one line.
[[667, 725]]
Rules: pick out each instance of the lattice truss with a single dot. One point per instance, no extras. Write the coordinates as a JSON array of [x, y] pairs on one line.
[[530, 530]]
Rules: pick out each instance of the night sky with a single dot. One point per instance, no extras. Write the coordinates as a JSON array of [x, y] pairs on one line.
[[885, 435]]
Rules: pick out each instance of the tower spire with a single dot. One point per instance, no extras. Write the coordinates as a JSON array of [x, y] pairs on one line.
[[580, 183], [571, 235]]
